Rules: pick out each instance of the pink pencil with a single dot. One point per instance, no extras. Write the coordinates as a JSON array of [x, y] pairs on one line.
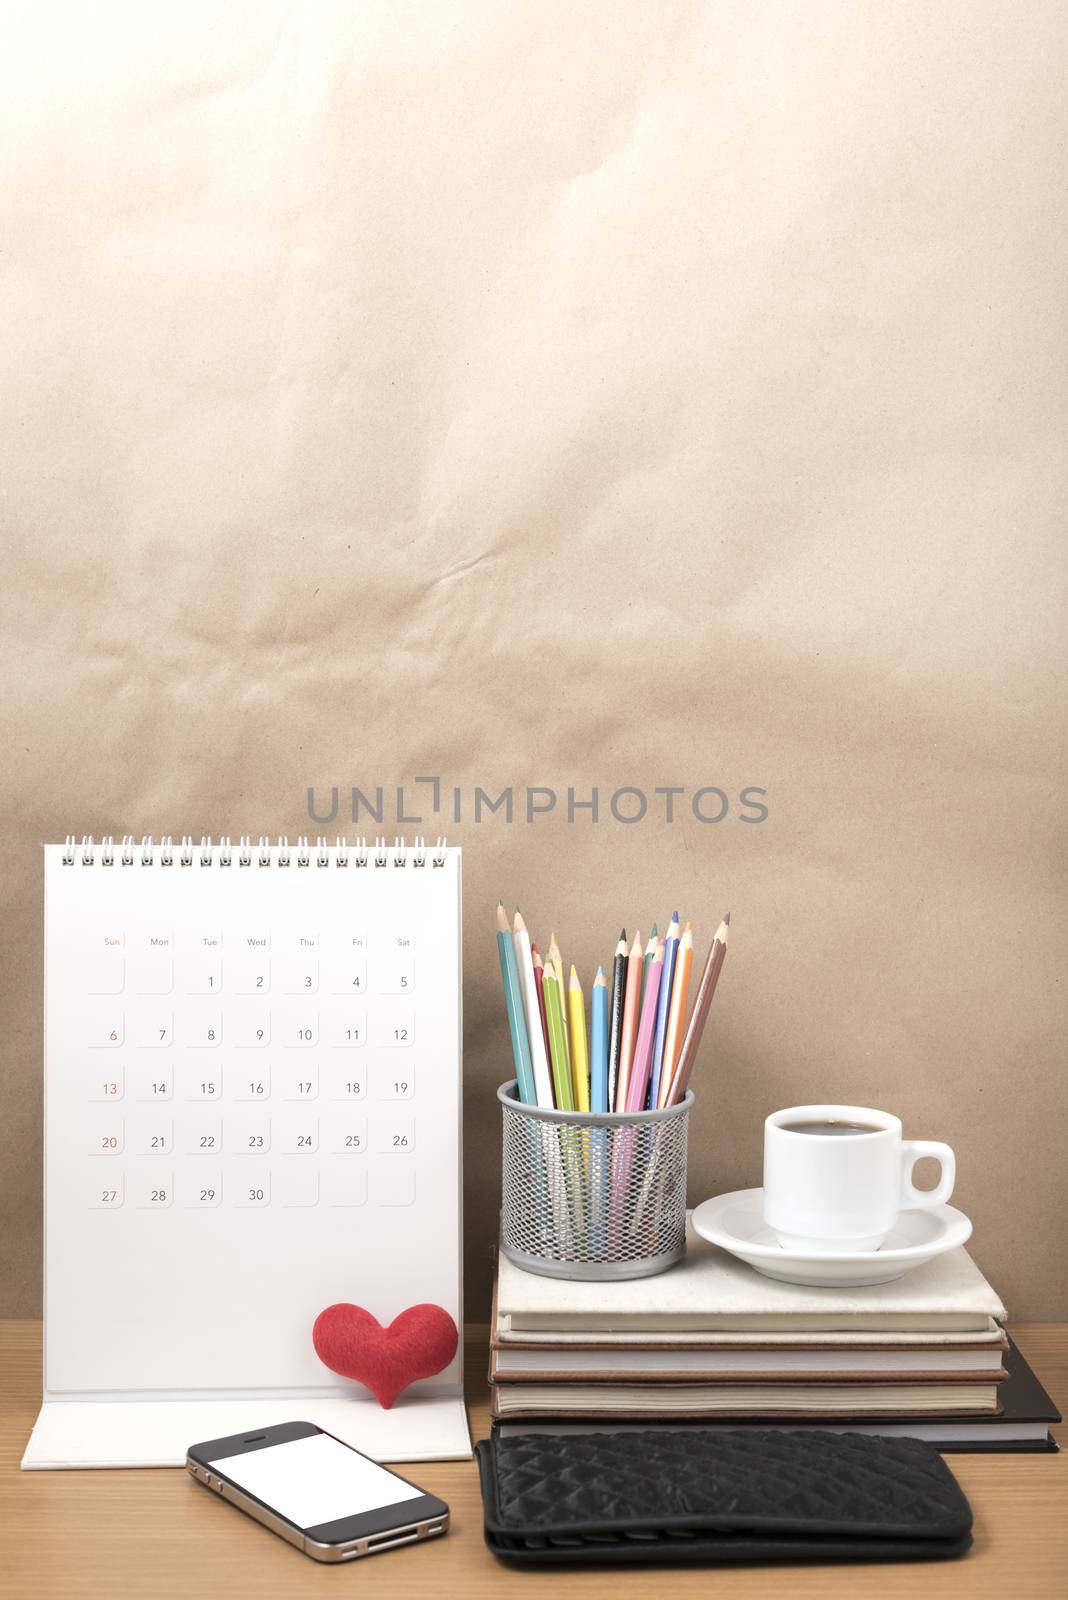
[[638, 1082]]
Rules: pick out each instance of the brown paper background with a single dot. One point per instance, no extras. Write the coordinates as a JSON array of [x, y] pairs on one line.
[[556, 394]]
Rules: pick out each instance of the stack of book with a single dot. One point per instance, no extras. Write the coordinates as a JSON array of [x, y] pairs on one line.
[[713, 1341]]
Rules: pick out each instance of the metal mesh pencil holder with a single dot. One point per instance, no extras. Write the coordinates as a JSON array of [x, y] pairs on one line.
[[590, 1195]]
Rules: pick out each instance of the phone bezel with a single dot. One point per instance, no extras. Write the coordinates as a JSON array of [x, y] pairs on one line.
[[404, 1522]]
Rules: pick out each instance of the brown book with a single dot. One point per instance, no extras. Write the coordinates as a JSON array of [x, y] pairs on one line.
[[1020, 1423]]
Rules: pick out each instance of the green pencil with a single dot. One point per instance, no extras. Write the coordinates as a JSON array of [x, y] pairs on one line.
[[650, 952], [554, 1021]]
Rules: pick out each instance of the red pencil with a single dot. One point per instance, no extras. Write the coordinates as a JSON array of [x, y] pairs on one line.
[[539, 984], [699, 1015]]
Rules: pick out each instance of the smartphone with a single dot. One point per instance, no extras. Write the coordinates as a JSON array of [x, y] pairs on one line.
[[326, 1498]]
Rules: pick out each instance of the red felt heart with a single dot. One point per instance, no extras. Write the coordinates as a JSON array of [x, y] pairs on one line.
[[353, 1343]]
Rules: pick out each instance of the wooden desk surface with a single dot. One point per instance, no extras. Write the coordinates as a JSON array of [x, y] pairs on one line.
[[138, 1535]]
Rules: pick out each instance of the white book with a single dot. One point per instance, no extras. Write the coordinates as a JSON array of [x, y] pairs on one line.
[[711, 1291], [768, 1339], [842, 1361]]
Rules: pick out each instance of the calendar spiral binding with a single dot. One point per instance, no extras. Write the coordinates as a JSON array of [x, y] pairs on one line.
[[164, 852]]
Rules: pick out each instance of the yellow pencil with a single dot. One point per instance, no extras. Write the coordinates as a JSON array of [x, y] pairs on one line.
[[580, 1061], [680, 989], [554, 1020]]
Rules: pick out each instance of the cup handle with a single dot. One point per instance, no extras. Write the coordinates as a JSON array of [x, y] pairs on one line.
[[913, 1199]]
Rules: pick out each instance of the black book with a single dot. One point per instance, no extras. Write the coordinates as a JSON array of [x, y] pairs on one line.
[[1020, 1424]]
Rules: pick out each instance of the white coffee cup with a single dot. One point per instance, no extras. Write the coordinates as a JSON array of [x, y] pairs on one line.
[[842, 1184]]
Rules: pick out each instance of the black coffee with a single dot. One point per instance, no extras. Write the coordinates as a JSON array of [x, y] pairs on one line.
[[842, 1129]]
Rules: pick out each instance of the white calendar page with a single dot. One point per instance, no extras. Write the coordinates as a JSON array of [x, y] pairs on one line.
[[252, 1110]]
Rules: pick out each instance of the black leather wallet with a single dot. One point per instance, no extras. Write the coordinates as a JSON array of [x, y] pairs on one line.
[[698, 1494]]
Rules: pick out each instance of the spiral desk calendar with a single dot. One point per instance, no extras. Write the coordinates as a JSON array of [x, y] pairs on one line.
[[252, 1111]]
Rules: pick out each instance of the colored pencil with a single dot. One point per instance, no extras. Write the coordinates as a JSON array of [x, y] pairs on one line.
[[513, 1005], [638, 1085], [706, 989], [680, 990], [539, 979], [538, 1054], [554, 1016], [556, 961], [599, 1043], [632, 1005], [580, 1061], [650, 952], [615, 1030], [667, 977]]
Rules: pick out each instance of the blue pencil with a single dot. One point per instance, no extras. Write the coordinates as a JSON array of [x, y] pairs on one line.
[[599, 1043], [513, 1002], [663, 1007]]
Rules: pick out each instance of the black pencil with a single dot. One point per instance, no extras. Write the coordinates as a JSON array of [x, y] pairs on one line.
[[615, 1025]]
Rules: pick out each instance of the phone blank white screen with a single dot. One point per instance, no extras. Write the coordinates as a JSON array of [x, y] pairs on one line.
[[315, 1480]]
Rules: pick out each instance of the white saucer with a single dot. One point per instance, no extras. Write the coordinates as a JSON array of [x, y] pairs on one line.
[[736, 1223]]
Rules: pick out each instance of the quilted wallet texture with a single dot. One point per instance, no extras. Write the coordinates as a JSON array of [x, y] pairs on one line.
[[695, 1494]]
